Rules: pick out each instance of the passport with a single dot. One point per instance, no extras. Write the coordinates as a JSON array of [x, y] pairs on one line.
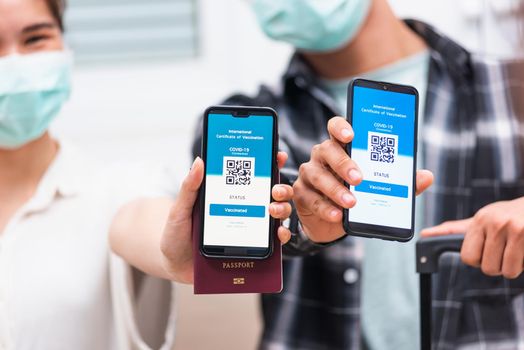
[[228, 276]]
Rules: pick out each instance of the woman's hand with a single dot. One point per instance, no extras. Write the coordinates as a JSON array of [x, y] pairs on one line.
[[176, 243]]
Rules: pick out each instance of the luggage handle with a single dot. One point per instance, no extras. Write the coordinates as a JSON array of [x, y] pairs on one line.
[[428, 252], [430, 249]]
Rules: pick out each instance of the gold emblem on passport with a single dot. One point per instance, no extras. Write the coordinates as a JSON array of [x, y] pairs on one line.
[[239, 280]]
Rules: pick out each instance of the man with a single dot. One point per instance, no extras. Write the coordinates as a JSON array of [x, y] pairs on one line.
[[364, 292]]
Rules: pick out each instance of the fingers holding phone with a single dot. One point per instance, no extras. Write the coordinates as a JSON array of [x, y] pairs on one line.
[[282, 195], [281, 209], [363, 179], [320, 192], [340, 130]]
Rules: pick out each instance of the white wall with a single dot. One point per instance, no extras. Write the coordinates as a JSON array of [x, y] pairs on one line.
[[488, 27], [146, 111]]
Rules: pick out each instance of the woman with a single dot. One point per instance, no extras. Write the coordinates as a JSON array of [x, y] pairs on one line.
[[59, 287]]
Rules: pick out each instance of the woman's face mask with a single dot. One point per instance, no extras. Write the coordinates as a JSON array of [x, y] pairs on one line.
[[33, 88], [312, 25]]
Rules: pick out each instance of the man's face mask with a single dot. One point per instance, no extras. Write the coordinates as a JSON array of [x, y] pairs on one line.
[[33, 89], [312, 25]]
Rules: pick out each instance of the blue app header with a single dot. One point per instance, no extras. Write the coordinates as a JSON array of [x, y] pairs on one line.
[[230, 136], [384, 112]]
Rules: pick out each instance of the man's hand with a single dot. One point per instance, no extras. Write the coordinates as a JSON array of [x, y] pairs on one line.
[[176, 244], [494, 238], [320, 194]]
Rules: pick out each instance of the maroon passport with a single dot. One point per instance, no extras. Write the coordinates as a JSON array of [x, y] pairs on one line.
[[220, 276]]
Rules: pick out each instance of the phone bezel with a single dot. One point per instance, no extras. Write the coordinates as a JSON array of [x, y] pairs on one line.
[[231, 251], [379, 231]]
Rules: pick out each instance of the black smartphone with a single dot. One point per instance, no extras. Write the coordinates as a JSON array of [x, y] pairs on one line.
[[384, 120], [239, 149]]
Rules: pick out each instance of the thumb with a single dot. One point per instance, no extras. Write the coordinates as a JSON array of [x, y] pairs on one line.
[[176, 240], [188, 193], [447, 228], [340, 130]]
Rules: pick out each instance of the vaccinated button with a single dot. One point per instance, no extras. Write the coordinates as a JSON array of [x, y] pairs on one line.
[[383, 189], [249, 211]]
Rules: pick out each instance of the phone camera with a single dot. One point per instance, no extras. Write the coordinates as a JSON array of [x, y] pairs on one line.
[[385, 87]]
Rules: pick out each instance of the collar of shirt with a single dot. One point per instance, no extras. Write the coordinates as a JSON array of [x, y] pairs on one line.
[[57, 244], [456, 58], [63, 178]]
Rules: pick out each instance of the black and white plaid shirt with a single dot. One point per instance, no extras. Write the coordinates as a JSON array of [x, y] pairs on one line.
[[473, 140]]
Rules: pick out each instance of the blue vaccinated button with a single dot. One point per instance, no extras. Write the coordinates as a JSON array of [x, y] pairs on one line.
[[249, 211], [383, 189]]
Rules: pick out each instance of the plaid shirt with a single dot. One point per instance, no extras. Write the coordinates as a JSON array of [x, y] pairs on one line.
[[473, 141]]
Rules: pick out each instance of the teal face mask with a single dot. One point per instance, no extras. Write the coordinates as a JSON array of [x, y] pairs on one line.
[[312, 25], [33, 89]]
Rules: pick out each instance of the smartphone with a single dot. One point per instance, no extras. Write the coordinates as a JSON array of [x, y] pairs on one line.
[[384, 120], [239, 149]]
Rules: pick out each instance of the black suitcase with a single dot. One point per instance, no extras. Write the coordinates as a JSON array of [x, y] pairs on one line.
[[429, 251]]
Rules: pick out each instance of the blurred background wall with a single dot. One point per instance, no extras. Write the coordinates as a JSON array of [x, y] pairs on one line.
[[147, 69]]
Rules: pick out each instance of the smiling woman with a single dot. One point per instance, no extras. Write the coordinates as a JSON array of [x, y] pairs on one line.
[[31, 26], [59, 286]]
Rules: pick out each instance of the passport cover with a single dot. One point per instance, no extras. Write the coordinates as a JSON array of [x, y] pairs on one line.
[[221, 276]]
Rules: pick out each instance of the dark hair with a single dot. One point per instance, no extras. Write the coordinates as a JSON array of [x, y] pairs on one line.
[[57, 8]]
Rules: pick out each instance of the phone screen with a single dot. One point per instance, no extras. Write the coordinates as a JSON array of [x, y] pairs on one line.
[[384, 125], [239, 159]]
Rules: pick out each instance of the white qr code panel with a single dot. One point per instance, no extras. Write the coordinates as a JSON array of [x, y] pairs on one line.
[[382, 147], [238, 171]]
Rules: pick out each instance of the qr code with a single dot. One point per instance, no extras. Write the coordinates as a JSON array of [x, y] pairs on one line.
[[382, 147], [238, 171]]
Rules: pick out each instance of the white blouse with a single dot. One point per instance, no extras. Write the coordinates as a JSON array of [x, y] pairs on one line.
[[60, 287]]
